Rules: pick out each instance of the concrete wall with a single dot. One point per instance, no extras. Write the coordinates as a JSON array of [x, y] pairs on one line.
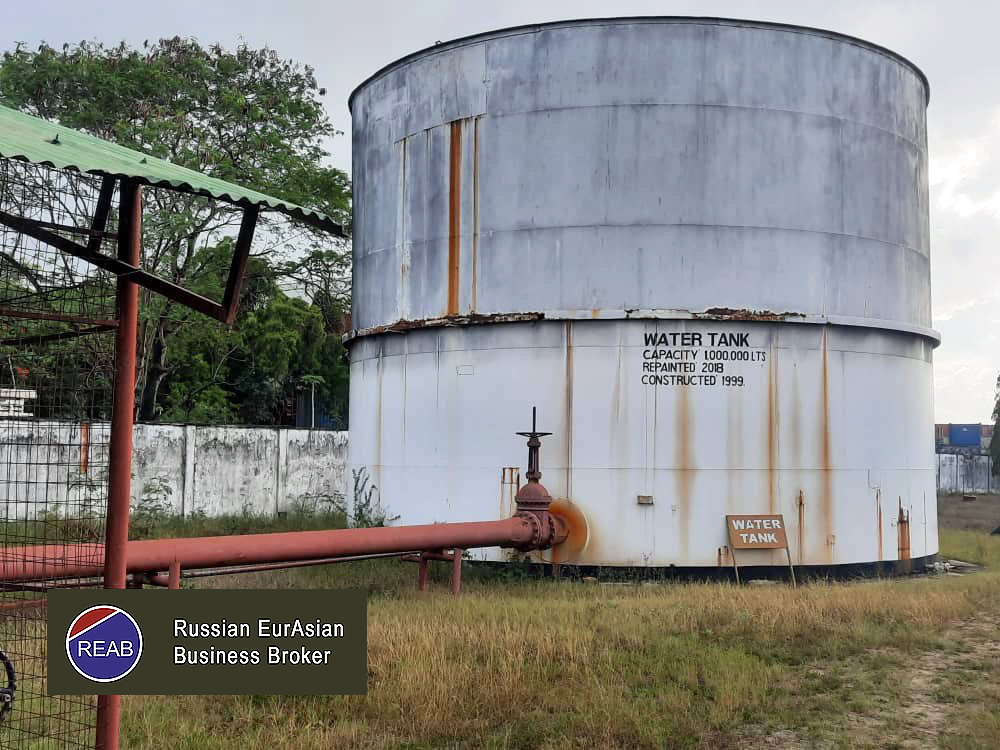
[[958, 473], [59, 467], [219, 470]]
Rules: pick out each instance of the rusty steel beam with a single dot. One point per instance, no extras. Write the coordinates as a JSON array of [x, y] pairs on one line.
[[101, 213], [45, 338], [237, 270], [9, 312], [119, 267]]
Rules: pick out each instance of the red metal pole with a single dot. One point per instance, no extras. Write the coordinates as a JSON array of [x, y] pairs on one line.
[[174, 576], [122, 417], [456, 571], [422, 573]]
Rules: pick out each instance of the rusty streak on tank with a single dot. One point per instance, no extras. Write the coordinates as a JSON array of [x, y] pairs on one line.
[[772, 430], [903, 522], [474, 302], [801, 507], [878, 511], [569, 409], [454, 215], [378, 422], [683, 475], [404, 256], [826, 500]]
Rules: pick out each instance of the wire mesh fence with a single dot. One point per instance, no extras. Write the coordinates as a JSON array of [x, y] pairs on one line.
[[57, 322]]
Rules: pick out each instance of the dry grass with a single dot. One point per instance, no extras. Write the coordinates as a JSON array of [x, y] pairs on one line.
[[573, 665]]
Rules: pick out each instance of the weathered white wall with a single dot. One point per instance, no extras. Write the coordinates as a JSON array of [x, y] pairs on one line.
[[180, 468], [959, 473], [219, 470]]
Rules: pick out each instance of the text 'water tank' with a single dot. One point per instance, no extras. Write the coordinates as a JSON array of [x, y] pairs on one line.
[[699, 246]]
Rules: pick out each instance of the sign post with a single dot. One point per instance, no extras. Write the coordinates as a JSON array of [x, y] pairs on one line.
[[758, 532]]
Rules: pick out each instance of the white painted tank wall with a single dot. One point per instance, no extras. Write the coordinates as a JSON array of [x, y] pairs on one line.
[[434, 412], [183, 469], [613, 178]]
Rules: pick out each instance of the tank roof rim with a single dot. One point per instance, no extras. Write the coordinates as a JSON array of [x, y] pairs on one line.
[[403, 326], [625, 20]]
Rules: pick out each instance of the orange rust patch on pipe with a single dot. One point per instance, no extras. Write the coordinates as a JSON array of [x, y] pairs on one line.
[[682, 434], [579, 532], [454, 214], [826, 500]]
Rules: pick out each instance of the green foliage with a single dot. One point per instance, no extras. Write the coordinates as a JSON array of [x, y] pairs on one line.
[[160, 523], [367, 510], [247, 116]]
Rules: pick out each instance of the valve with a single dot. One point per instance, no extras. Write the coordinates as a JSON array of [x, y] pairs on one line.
[[533, 500]]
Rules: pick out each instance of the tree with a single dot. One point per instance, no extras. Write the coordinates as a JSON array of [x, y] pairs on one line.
[[995, 440], [246, 116]]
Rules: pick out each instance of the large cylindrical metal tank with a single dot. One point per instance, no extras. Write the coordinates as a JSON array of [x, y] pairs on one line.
[[699, 246]]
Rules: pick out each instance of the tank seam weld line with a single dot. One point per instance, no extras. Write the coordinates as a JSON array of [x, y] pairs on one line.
[[604, 346], [642, 225], [499, 114]]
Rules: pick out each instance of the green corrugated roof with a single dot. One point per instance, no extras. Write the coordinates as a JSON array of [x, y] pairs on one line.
[[39, 141]]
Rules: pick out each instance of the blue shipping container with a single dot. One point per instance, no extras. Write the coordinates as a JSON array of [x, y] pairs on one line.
[[964, 434]]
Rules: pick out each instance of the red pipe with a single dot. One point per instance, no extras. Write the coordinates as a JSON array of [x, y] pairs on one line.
[[154, 555], [164, 580], [120, 450]]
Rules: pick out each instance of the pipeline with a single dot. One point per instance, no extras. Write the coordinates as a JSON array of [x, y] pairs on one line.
[[51, 562], [532, 527]]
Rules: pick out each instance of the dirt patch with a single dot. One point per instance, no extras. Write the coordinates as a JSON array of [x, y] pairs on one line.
[[919, 712]]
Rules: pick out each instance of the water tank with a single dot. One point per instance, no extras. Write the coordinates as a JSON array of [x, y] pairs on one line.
[[699, 246]]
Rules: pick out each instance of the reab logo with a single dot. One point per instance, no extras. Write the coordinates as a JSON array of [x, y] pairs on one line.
[[104, 643]]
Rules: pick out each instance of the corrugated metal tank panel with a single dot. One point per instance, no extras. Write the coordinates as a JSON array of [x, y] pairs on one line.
[[774, 168], [758, 189]]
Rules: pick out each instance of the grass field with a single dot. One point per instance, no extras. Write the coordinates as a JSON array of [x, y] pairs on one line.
[[543, 664]]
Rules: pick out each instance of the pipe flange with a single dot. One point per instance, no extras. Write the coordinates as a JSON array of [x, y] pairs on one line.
[[536, 531]]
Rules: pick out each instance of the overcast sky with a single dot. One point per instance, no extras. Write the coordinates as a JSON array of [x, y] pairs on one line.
[[954, 43]]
